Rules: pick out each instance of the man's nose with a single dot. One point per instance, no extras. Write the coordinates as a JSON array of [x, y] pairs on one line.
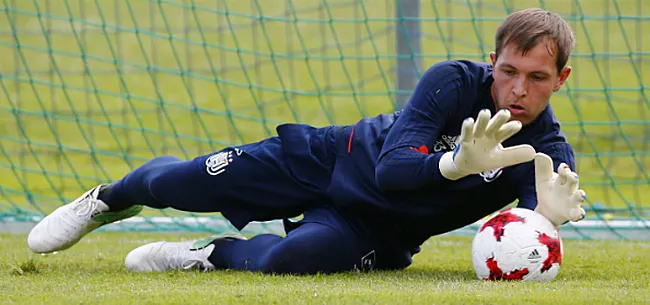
[[519, 89]]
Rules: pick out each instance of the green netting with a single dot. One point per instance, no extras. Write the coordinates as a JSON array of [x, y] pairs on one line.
[[92, 89]]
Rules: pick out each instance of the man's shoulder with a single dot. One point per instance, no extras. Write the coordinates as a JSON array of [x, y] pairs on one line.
[[464, 68], [472, 79]]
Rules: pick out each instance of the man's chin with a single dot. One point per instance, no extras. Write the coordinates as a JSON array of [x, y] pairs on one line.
[[523, 119]]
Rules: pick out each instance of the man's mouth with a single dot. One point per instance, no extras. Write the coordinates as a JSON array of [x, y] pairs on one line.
[[516, 109]]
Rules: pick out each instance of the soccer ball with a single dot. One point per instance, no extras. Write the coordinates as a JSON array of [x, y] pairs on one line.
[[517, 244]]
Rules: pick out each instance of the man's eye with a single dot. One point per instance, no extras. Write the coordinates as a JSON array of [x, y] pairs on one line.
[[509, 72]]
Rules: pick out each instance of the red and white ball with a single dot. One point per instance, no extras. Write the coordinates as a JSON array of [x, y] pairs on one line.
[[517, 244]]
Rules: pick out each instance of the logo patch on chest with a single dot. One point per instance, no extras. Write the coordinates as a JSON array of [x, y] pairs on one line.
[[491, 175], [445, 143]]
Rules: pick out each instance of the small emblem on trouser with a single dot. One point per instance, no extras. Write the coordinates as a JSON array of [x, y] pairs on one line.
[[216, 164]]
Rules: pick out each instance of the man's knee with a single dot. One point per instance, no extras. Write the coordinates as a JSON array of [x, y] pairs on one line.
[[160, 171]]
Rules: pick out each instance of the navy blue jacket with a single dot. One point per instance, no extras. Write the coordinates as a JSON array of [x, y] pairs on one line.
[[390, 166]]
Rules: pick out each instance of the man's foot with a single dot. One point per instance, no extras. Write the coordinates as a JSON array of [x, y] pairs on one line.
[[163, 256], [69, 223]]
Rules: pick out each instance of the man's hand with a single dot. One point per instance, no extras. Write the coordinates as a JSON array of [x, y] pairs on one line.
[[480, 147], [558, 196]]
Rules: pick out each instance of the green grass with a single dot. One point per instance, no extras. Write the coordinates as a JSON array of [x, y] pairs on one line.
[[593, 272], [91, 89]]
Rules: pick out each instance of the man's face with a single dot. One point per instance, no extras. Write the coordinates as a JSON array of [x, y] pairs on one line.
[[524, 84]]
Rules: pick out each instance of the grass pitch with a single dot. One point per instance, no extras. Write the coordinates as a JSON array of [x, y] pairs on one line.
[[593, 272]]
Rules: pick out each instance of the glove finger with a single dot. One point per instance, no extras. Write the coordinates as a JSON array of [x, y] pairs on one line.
[[481, 123], [516, 155], [496, 122], [562, 174], [579, 196], [578, 214], [543, 168], [507, 130], [467, 131], [573, 182]]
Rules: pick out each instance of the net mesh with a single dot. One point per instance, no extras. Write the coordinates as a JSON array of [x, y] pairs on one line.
[[89, 90]]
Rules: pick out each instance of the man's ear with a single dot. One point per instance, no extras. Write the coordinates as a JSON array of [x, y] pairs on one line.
[[564, 74], [493, 58]]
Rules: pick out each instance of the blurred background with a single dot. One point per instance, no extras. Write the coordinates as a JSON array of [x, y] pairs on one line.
[[89, 90]]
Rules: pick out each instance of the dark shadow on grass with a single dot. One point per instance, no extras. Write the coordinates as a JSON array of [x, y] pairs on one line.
[[430, 274], [411, 273]]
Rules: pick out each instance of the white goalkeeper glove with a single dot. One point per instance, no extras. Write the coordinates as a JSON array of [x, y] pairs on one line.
[[558, 196], [480, 149]]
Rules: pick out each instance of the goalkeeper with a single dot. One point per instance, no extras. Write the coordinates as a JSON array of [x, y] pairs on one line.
[[473, 138]]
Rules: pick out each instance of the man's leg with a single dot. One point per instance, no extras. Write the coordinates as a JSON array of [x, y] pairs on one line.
[[245, 184], [248, 183], [310, 248], [325, 241]]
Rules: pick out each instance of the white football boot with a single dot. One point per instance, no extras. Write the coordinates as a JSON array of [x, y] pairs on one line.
[[163, 256], [69, 223]]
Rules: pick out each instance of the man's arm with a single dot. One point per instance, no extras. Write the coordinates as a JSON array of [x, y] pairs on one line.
[[435, 101], [404, 162]]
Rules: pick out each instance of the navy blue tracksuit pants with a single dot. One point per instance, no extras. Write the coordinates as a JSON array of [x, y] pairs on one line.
[[277, 178]]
